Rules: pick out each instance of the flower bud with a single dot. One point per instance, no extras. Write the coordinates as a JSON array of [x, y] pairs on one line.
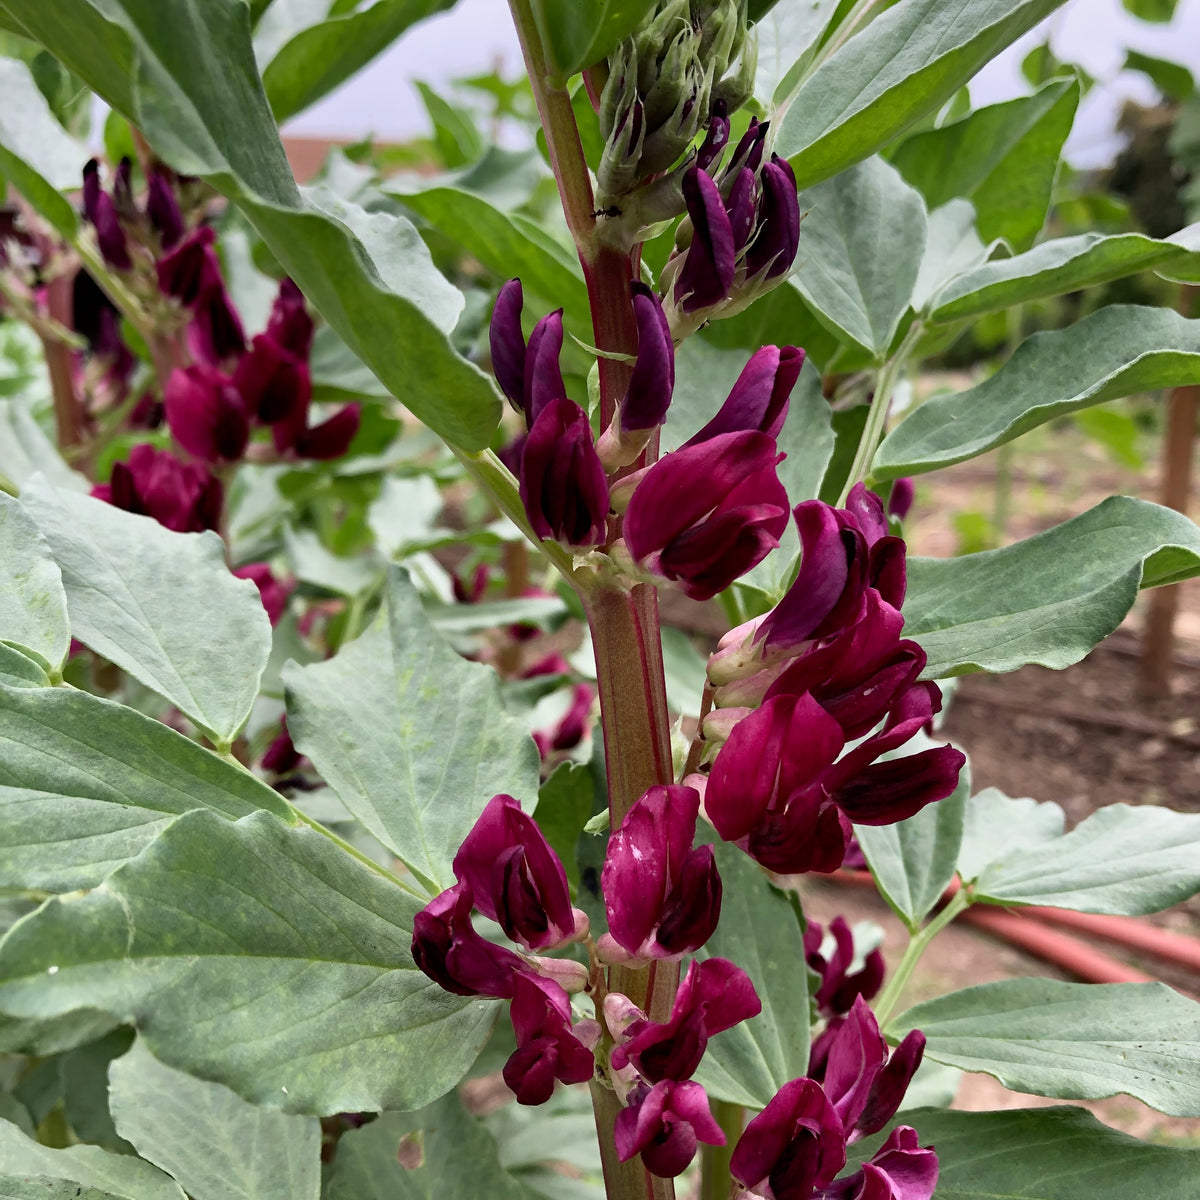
[[101, 211], [508, 343], [901, 497], [708, 158], [708, 264], [664, 1124], [162, 208], [215, 332], [205, 413], [516, 877], [543, 373], [777, 239], [563, 485], [190, 270], [289, 324], [273, 592], [653, 377], [662, 898], [620, 163]]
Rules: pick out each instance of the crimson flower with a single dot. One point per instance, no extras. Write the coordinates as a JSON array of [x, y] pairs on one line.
[[547, 1049], [664, 1124]]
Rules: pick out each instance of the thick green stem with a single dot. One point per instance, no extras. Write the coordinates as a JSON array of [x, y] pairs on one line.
[[881, 402], [68, 413], [716, 1183], [629, 1180], [912, 954]]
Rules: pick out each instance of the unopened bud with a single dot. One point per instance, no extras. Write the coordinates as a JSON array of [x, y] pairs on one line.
[[570, 975]]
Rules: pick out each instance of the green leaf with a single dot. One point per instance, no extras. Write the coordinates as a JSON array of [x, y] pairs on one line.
[[37, 156], [907, 62], [1117, 351], [84, 1074], [1047, 1154], [1118, 432], [997, 827], [17, 669], [864, 237], [1064, 265], [33, 605], [209, 1139], [258, 955], [685, 669], [318, 58], [504, 245], [440, 1152], [952, 247], [761, 932], [704, 373], [25, 449], [564, 805], [1072, 1041], [1124, 860], [1003, 158], [161, 605], [1173, 79], [1050, 598], [184, 75], [788, 37], [42, 1187], [578, 33], [913, 861], [86, 784], [413, 738], [87, 1166], [1160, 11], [458, 140]]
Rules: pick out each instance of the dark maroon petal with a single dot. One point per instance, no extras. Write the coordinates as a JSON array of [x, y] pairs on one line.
[[867, 510], [332, 438], [508, 343], [893, 791], [708, 158], [274, 384], [205, 414], [101, 210], [706, 536], [643, 860], [446, 947], [273, 592], [891, 1083], [281, 756], [809, 835], [794, 1145], [163, 208], [779, 750], [759, 398], [778, 237], [653, 378], [709, 264], [563, 485], [749, 150], [215, 332], [912, 712], [123, 189], [516, 877], [910, 1169], [546, 1047], [693, 908], [289, 325], [664, 1124], [901, 497], [854, 1058], [742, 206], [543, 373], [190, 270]]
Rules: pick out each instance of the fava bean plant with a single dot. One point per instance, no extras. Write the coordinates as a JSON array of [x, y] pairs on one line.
[[364, 834]]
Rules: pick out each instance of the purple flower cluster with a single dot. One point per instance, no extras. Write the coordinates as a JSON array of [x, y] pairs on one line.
[[797, 689]]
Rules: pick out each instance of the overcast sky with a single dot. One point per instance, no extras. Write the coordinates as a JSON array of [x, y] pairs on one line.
[[477, 35]]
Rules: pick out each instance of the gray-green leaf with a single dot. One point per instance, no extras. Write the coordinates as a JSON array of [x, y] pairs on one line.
[[159, 604], [1065, 265], [86, 784], [1050, 598], [84, 1166], [1072, 1041], [1117, 351], [33, 605], [1122, 859], [761, 933], [208, 1138], [261, 956], [907, 62], [413, 738], [863, 239], [1003, 158], [436, 1154]]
